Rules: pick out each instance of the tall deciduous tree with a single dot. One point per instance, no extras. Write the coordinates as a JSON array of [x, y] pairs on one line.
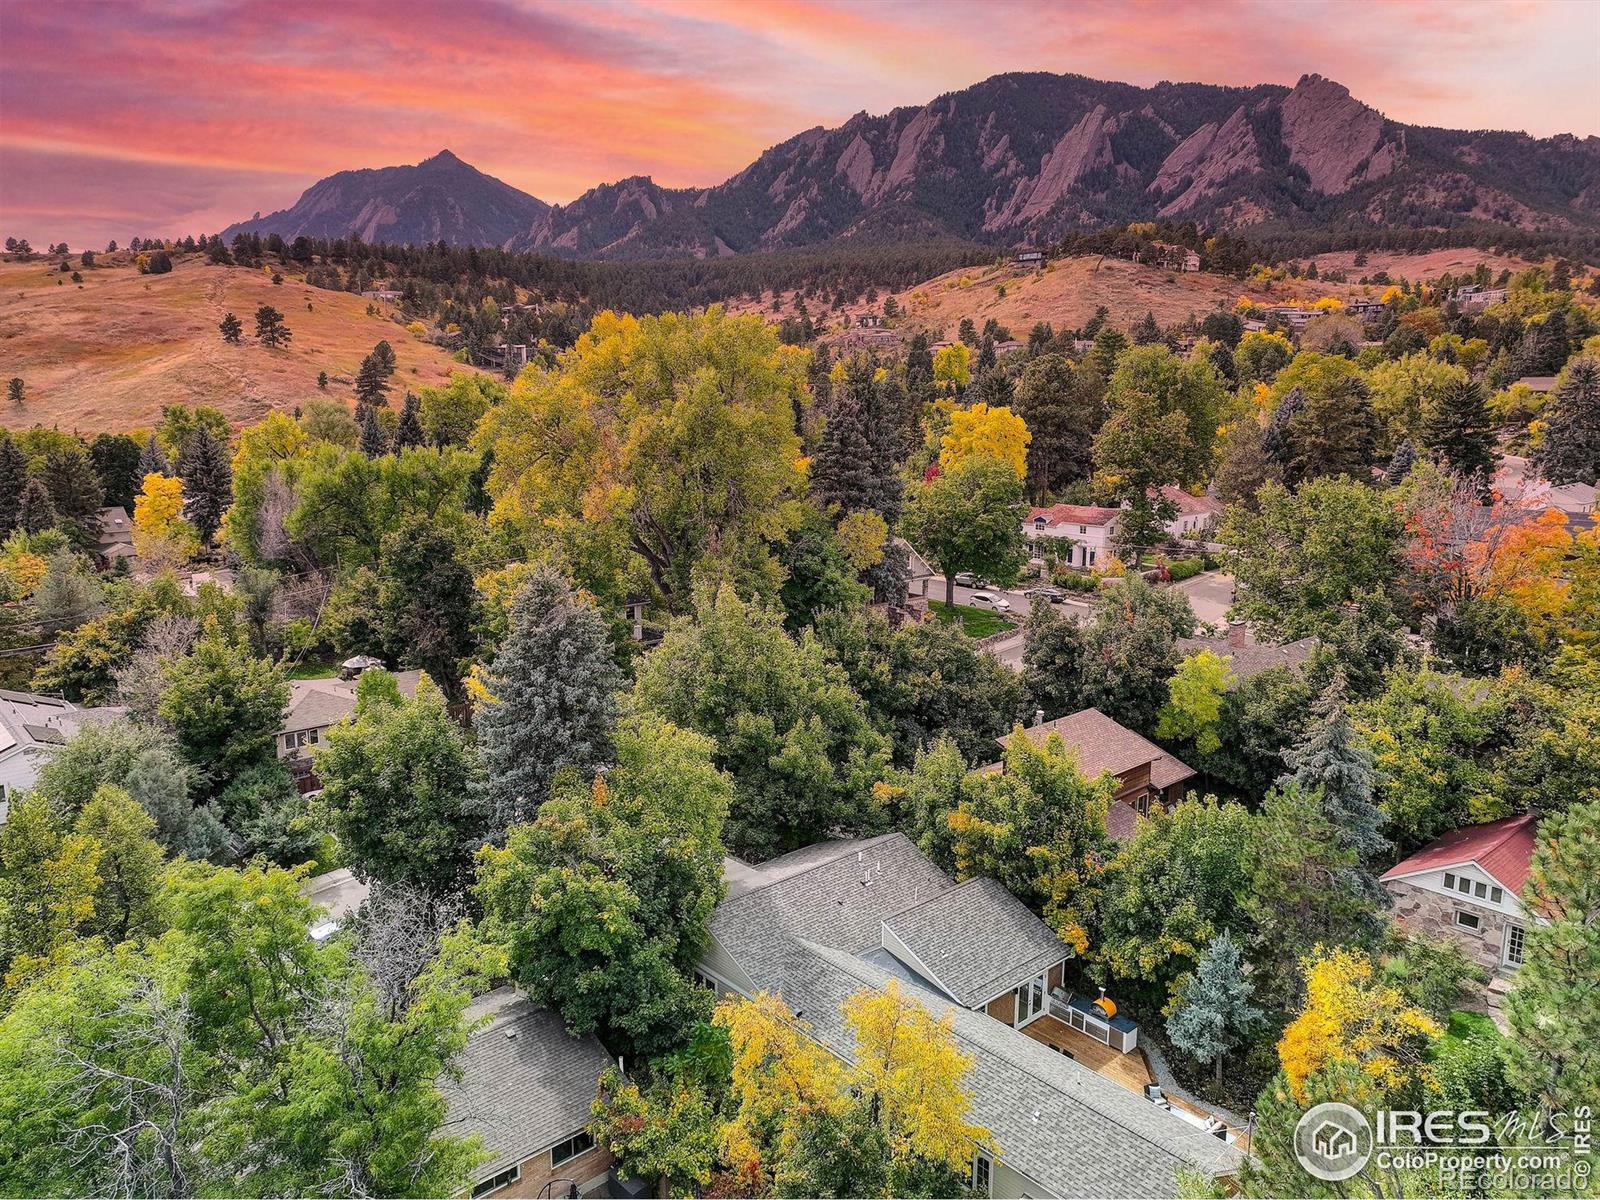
[[400, 783], [1129, 649], [787, 725], [426, 602], [549, 699], [601, 901], [672, 436], [224, 705], [970, 519]]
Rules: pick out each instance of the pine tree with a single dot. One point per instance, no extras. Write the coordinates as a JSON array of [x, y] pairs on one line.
[[553, 698], [13, 479], [1405, 454], [232, 328], [207, 482], [322, 380], [477, 500], [1335, 433], [270, 329], [1570, 452], [36, 512], [1145, 331], [841, 469], [1460, 430], [408, 433], [75, 491], [1552, 1007], [1214, 1016], [15, 390], [1332, 757], [372, 384], [1276, 440], [374, 441], [383, 354], [153, 459]]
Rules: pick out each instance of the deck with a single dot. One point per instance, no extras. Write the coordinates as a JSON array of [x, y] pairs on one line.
[[1129, 1070]]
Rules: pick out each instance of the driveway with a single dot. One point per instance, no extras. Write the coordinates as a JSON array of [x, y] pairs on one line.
[[1210, 594]]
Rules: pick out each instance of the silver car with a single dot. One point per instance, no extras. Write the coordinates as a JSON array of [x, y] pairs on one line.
[[989, 600]]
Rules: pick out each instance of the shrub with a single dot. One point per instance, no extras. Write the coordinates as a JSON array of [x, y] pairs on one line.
[[1180, 569]]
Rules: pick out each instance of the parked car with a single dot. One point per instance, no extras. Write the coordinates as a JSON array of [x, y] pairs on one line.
[[989, 600], [967, 579], [1050, 594]]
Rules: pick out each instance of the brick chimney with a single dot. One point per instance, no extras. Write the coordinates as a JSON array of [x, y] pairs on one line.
[[1236, 633]]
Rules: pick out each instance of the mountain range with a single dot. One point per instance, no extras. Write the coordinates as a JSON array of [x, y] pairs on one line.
[[1019, 158]]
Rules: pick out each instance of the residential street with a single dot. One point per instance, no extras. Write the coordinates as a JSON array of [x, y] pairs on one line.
[[1210, 593]]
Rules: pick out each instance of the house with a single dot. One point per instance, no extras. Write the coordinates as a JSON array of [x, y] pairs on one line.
[[31, 728], [1467, 887], [1146, 774], [1362, 309], [1542, 384], [1197, 516], [1029, 259], [830, 921], [1291, 315], [387, 294], [526, 1086], [113, 536], [869, 320], [317, 704], [1081, 533], [1247, 657], [1520, 484]]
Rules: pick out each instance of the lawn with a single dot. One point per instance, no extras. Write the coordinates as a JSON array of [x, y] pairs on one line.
[[312, 668], [1464, 1025], [975, 622]]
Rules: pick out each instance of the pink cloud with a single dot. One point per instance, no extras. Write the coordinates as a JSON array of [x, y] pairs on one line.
[[161, 116]]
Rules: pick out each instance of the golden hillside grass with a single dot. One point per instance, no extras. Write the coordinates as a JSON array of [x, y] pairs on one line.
[[106, 355]]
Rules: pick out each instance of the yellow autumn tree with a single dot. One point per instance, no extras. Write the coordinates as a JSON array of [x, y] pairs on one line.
[[910, 1069], [1349, 1017], [909, 1078], [984, 432], [952, 366], [160, 534], [1328, 304], [779, 1076]]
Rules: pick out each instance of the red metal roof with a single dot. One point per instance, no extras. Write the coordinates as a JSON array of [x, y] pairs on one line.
[[1502, 848], [1074, 514]]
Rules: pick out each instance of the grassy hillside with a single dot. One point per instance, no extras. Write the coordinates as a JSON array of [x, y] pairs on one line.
[[1068, 293], [107, 354]]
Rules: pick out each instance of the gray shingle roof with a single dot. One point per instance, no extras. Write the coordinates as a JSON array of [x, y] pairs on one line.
[[977, 940], [526, 1083], [835, 894], [1055, 1121], [1254, 658], [318, 703]]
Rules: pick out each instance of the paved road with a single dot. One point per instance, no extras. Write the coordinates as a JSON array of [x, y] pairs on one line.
[[1210, 593]]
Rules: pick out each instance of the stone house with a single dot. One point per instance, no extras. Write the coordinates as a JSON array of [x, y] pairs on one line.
[[1467, 887]]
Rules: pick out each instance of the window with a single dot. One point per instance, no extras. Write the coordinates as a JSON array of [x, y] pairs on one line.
[[1030, 1000], [1449, 881], [982, 1172], [1480, 890], [1495, 895], [1516, 944], [304, 737], [571, 1148], [1083, 529], [493, 1184], [1467, 920]]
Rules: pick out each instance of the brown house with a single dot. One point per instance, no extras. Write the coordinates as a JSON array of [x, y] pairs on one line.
[[1146, 774]]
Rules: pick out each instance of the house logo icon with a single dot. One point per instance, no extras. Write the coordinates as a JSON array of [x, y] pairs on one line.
[[1333, 1141]]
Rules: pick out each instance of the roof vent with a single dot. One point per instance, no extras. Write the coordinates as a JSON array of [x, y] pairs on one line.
[[511, 1034]]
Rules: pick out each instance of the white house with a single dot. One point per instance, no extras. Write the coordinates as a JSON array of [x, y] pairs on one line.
[[1079, 534], [31, 727], [1197, 515], [1467, 886]]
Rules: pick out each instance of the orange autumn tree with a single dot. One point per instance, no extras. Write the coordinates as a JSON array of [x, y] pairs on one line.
[[1463, 547], [1349, 1018]]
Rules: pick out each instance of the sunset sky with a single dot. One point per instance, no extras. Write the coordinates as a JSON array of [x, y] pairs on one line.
[[159, 117]]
